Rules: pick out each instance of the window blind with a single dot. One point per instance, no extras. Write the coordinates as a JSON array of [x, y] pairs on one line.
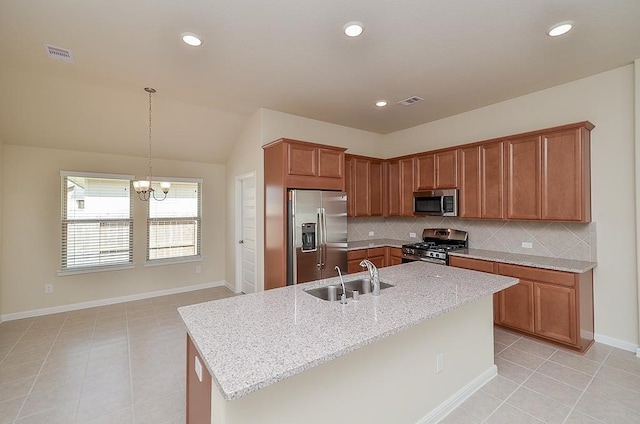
[[174, 224], [97, 224]]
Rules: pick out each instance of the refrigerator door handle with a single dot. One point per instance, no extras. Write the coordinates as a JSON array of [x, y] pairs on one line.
[[319, 238], [324, 237]]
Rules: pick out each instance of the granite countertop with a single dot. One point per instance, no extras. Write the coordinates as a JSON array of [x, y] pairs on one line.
[[367, 244], [252, 341], [558, 264]]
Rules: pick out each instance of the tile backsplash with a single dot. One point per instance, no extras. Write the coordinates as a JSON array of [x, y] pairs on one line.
[[553, 239]]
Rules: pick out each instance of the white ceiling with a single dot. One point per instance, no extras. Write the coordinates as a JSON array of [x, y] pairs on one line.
[[291, 56]]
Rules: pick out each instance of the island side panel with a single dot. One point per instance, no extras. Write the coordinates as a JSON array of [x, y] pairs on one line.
[[198, 391], [393, 380]]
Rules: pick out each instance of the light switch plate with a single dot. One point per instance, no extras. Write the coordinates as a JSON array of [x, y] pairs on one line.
[[412, 235], [527, 245], [371, 233]]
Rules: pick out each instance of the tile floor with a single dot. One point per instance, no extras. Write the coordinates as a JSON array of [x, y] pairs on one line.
[[124, 363]]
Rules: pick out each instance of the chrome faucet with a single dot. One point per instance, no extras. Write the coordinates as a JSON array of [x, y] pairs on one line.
[[343, 298], [373, 272]]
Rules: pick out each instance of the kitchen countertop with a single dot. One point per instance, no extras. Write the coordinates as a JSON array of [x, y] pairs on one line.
[[367, 244], [558, 264], [252, 341]]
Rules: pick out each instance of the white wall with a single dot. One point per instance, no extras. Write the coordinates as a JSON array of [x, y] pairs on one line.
[[607, 100], [31, 230]]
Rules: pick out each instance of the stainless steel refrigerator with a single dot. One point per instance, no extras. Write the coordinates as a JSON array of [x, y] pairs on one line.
[[317, 235]]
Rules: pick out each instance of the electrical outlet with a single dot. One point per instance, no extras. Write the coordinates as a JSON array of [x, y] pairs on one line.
[[198, 269], [48, 288], [412, 235], [439, 362], [371, 233], [527, 245]]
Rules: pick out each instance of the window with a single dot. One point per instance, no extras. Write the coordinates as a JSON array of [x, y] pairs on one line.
[[97, 224], [173, 224]]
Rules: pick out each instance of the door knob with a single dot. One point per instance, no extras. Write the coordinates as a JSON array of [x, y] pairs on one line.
[[241, 242]]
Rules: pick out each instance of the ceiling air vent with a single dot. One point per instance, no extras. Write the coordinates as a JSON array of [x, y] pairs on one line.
[[410, 101], [58, 53]]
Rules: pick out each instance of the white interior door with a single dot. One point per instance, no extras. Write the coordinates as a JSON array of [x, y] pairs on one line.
[[246, 257]]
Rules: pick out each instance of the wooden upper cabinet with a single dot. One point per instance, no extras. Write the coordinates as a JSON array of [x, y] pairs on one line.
[[470, 194], [566, 176], [523, 178], [400, 187], [436, 170], [310, 165], [492, 180], [364, 186]]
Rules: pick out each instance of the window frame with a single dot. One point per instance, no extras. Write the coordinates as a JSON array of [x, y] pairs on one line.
[[64, 225], [176, 259]]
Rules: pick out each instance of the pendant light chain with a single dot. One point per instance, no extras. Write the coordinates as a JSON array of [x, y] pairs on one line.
[[150, 91]]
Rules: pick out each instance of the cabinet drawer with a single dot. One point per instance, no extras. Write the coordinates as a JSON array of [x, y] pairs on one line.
[[354, 255], [537, 274], [472, 264], [376, 251]]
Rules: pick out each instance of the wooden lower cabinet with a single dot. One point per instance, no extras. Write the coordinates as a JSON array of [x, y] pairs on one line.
[[377, 255], [553, 305], [393, 256], [198, 392], [515, 306]]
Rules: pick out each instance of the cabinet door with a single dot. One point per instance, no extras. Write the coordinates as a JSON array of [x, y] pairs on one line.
[[353, 260], [393, 188], [555, 312], [425, 170], [516, 306], [349, 183], [376, 188], [198, 387], [565, 177], [523, 178], [361, 187], [472, 264], [492, 180], [406, 187], [447, 169], [302, 160], [469, 200], [330, 163]]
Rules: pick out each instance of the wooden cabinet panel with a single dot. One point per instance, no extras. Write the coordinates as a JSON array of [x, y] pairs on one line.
[[565, 176], [447, 169], [198, 392], [330, 163], [516, 306], [378, 261], [555, 313], [406, 187], [394, 257], [492, 180], [472, 264], [523, 178], [537, 274], [436, 170], [425, 172], [469, 198], [400, 187], [353, 260], [393, 188], [364, 185], [302, 160], [376, 188]]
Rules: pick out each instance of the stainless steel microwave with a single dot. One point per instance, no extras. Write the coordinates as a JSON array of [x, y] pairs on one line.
[[436, 202]]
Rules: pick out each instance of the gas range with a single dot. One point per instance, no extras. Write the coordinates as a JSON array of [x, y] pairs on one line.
[[435, 245]]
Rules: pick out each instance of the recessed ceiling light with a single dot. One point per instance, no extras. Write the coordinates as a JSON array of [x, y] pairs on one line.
[[381, 103], [560, 29], [191, 39], [353, 28]]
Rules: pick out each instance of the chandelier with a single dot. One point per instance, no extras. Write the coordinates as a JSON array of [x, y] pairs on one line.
[[144, 187]]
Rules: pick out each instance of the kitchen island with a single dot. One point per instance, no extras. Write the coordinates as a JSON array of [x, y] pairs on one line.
[[284, 356]]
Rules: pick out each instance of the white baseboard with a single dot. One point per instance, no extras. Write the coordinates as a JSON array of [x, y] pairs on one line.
[[446, 407], [231, 287], [620, 344], [109, 301]]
